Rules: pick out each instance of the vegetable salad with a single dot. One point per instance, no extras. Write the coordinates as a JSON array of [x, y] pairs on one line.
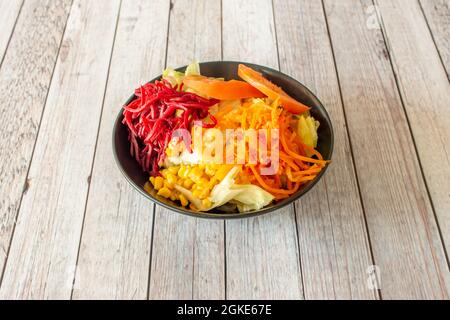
[[233, 145]]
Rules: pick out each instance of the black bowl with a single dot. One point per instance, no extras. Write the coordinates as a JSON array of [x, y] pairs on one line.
[[228, 70]]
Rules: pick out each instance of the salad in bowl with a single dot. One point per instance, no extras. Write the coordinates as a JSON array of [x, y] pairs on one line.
[[211, 144]]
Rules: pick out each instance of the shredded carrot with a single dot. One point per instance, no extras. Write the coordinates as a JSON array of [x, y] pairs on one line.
[[295, 168], [265, 186]]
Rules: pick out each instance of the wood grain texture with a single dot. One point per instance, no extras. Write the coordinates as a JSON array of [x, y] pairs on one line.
[[334, 247], [262, 252], [115, 248], [44, 249], [188, 253], [9, 10], [402, 227], [437, 13], [425, 90], [24, 80]]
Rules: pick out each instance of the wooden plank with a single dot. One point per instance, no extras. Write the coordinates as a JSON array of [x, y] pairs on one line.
[[425, 91], [334, 248], [437, 13], [188, 253], [403, 231], [9, 11], [115, 248], [24, 80], [44, 249], [262, 252]]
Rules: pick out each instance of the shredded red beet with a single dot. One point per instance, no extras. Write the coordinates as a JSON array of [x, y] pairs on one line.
[[151, 120]]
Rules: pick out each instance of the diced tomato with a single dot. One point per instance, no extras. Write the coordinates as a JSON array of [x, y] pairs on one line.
[[257, 80], [222, 90]]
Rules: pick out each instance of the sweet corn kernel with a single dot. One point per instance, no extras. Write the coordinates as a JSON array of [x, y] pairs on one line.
[[188, 183], [206, 203], [212, 182], [174, 170], [173, 197], [171, 178], [222, 172], [164, 192], [204, 193], [196, 193], [159, 182], [183, 200], [195, 174], [152, 180], [183, 172], [209, 170], [203, 182], [164, 172], [168, 185]]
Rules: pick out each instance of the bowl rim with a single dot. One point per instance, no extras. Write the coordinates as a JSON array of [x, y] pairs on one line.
[[223, 216]]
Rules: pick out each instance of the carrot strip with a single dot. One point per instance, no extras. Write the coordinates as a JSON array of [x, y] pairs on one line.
[[265, 186]]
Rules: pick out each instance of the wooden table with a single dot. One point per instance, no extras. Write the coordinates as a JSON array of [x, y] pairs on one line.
[[72, 227]]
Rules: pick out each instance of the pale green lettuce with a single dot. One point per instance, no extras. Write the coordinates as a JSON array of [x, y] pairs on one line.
[[176, 78], [247, 197]]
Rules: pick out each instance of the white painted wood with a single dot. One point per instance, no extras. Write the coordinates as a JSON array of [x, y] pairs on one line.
[[24, 80], [44, 249], [188, 253], [262, 252], [115, 248], [9, 10], [401, 223], [334, 247], [437, 13], [425, 90]]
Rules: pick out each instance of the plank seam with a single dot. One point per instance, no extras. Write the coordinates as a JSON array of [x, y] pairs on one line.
[[378, 291], [293, 209], [12, 32], [434, 39], [299, 255], [154, 205], [224, 221], [225, 258], [34, 145], [151, 252], [95, 149], [397, 85]]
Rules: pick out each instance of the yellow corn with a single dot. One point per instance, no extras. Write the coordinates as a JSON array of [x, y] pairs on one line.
[[159, 182], [171, 178], [183, 200], [195, 174], [206, 203], [164, 192], [183, 172], [212, 182], [197, 194], [204, 193], [173, 170], [188, 183], [209, 170], [222, 172], [199, 179], [168, 185]]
